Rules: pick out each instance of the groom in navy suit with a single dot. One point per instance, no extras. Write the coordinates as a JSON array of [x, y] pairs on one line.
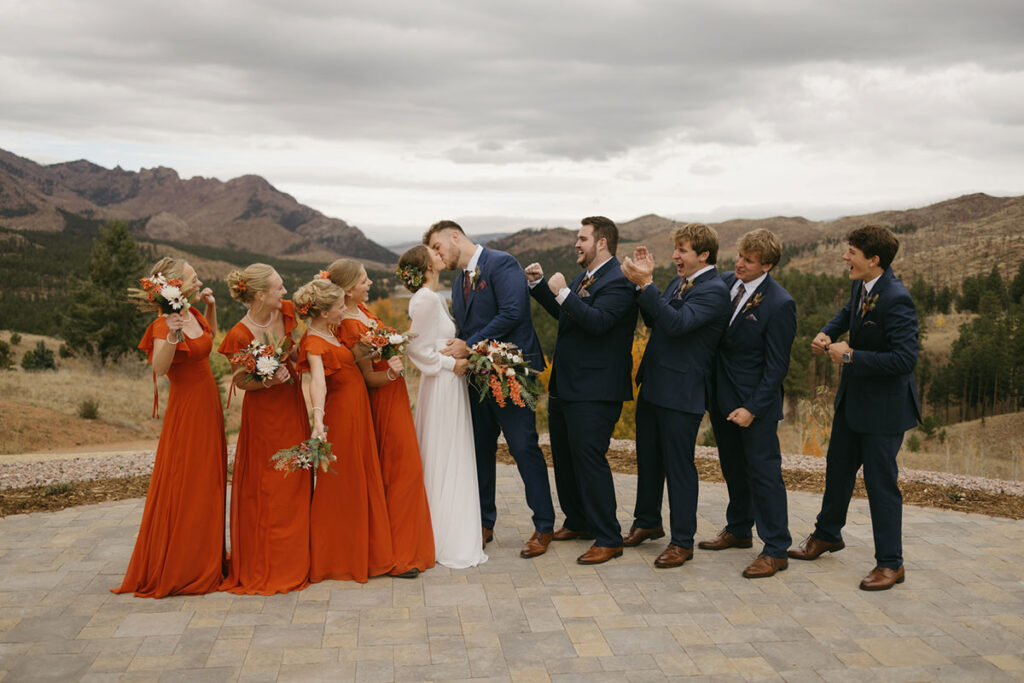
[[751, 362], [686, 323], [876, 403], [591, 375], [491, 300]]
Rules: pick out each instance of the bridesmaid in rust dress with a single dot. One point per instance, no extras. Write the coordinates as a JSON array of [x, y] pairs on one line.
[[397, 447], [180, 546], [350, 538], [269, 511]]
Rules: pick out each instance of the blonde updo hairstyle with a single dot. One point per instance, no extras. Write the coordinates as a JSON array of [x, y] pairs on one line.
[[246, 283], [414, 259], [346, 273], [171, 268], [316, 297]]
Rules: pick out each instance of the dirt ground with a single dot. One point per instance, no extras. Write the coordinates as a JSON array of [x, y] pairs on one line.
[[60, 496]]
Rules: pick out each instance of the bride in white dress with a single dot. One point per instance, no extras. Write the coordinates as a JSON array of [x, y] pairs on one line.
[[444, 426]]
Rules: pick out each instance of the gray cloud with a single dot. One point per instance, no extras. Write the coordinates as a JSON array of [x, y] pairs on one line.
[[513, 82]]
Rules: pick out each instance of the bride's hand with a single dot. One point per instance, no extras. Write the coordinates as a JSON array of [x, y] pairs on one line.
[[461, 367]]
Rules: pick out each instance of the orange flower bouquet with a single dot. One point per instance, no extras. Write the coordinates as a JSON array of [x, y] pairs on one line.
[[312, 454], [166, 294], [498, 369], [386, 342], [261, 361]]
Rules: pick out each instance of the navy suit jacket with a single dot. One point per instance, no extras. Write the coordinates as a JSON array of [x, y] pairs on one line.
[[594, 350], [879, 387], [753, 356], [498, 306], [675, 372]]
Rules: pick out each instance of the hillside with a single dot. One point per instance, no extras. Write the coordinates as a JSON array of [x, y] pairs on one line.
[[943, 242], [245, 213]]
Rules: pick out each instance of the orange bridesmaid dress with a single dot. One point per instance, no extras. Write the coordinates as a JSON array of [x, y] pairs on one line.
[[350, 537], [400, 463], [180, 546], [269, 511]]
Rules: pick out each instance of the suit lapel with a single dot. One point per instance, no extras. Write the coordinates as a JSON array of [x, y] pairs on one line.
[[458, 305], [762, 289], [475, 286]]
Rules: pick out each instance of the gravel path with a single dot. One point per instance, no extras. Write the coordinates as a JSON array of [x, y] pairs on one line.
[[45, 472]]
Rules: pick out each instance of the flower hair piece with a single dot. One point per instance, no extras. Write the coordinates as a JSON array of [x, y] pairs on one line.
[[241, 286], [411, 275], [303, 310], [324, 275]]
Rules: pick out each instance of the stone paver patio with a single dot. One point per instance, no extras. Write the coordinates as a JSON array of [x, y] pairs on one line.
[[960, 614]]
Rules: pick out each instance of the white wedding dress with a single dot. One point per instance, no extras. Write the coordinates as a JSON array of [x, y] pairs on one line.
[[444, 429]]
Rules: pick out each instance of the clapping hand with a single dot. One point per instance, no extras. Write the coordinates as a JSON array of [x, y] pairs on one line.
[[556, 282], [534, 272], [640, 268]]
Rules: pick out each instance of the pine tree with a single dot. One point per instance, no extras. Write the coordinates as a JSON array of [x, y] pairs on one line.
[[99, 319]]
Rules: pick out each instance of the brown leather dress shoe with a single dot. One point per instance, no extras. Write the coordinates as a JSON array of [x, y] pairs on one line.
[[674, 556], [764, 566], [566, 534], [488, 535], [724, 540], [637, 535], [812, 547], [882, 579], [598, 554], [537, 545]]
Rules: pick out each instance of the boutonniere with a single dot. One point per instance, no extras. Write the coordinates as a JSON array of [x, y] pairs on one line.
[[753, 302], [686, 286], [868, 305], [475, 283]]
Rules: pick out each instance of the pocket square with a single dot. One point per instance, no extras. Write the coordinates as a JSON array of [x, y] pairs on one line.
[[584, 294], [869, 322], [751, 316]]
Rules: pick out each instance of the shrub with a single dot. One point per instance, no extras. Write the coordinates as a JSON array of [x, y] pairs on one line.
[[64, 351], [914, 443], [59, 489], [929, 425], [6, 356], [40, 358], [89, 409], [15, 338]]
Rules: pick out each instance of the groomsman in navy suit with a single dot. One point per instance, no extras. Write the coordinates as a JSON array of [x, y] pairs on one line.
[[591, 375], [491, 300], [750, 365], [674, 376], [876, 403]]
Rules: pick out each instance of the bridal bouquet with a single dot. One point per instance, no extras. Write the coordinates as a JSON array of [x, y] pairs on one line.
[[311, 454], [499, 368], [261, 361], [386, 342], [167, 295]]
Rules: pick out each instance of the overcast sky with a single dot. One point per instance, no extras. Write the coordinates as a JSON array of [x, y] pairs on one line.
[[391, 115]]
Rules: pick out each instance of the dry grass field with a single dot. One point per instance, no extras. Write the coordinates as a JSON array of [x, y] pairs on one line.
[[39, 411]]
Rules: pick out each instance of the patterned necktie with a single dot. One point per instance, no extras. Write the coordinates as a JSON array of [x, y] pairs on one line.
[[467, 284], [860, 300], [584, 284], [736, 300]]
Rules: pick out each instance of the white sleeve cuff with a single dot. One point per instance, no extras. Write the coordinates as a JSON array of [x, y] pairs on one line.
[[447, 362], [562, 294], [534, 283]]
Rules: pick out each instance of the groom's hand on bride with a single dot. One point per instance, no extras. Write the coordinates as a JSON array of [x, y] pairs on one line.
[[461, 367], [456, 348]]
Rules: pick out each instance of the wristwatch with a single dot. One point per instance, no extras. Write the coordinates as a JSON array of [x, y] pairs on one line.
[[847, 357]]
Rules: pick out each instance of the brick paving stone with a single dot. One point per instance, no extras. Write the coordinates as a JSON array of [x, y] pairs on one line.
[[960, 614]]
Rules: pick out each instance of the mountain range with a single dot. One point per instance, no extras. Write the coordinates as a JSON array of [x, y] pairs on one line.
[[942, 242], [246, 213]]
